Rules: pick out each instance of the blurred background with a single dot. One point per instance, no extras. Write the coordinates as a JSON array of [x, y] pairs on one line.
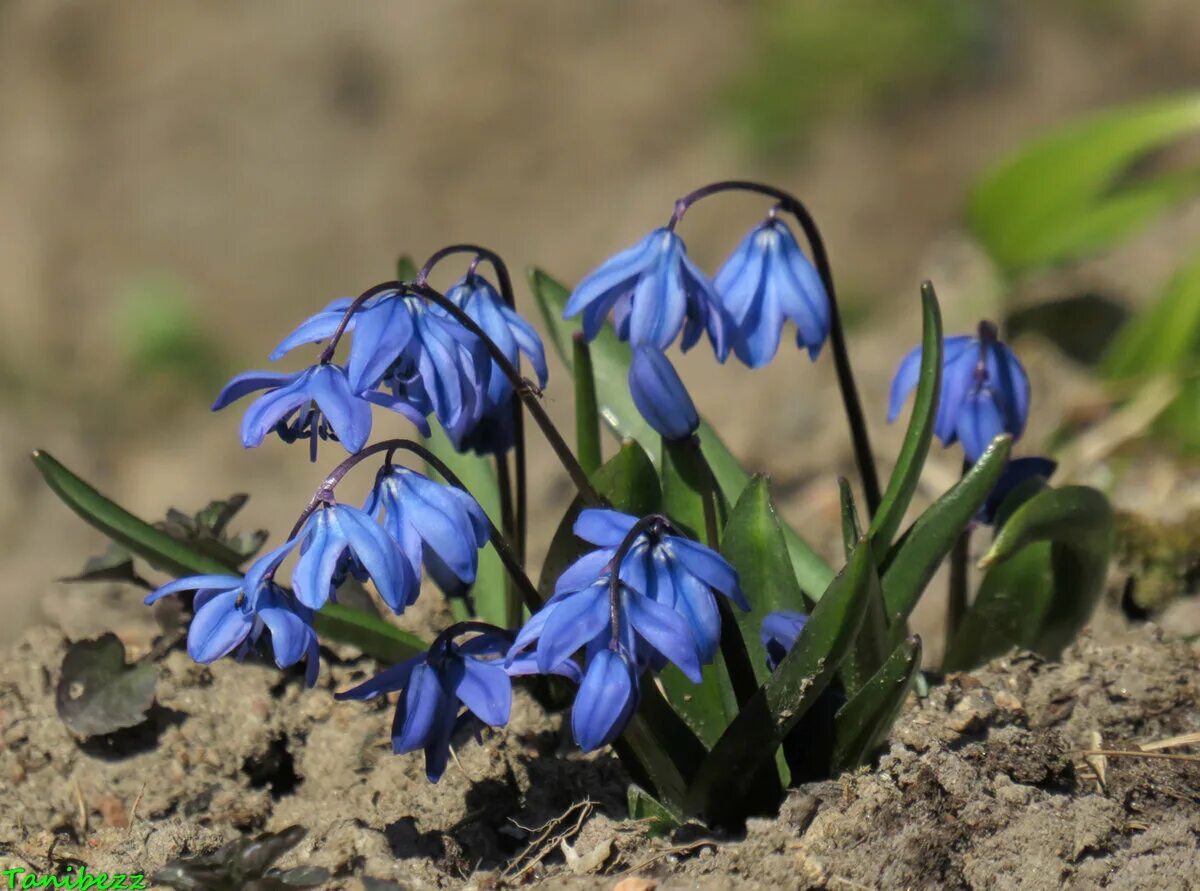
[[181, 182]]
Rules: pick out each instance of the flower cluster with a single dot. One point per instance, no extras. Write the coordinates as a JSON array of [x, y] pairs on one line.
[[654, 292]]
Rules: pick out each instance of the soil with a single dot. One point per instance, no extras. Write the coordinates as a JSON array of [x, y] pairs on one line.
[[981, 785]]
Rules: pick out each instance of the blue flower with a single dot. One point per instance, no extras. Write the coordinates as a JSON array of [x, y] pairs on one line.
[[407, 357], [435, 686], [493, 434], [607, 699], [232, 612], [984, 391], [337, 539], [653, 291], [439, 525], [1015, 473], [315, 403], [765, 282], [673, 571], [660, 396], [778, 633]]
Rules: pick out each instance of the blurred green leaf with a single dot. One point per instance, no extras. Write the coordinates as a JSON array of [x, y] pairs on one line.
[[98, 693], [178, 559], [916, 556], [915, 448], [659, 819], [1064, 196], [718, 791], [610, 362], [871, 646], [489, 594], [160, 334], [864, 721], [1058, 320]]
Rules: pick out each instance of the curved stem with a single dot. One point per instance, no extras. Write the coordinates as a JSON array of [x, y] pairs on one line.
[[448, 634], [324, 495], [656, 522], [841, 358]]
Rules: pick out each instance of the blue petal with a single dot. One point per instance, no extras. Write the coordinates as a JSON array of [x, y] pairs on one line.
[[315, 328], [417, 709], [380, 555], [443, 524], [979, 423], [529, 343], [694, 601], [387, 681], [218, 627], [606, 700], [708, 566], [617, 274], [660, 297], [485, 689], [660, 395], [704, 307], [248, 382], [1017, 471], [666, 631], [779, 632], [289, 634], [437, 747], [526, 664], [1007, 378], [904, 382], [584, 571], [195, 583], [401, 406], [382, 333], [606, 528], [265, 564], [321, 548], [958, 379], [574, 621], [272, 407], [349, 416]]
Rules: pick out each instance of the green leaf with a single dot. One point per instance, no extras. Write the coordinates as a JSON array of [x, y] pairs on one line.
[[755, 547], [871, 647], [610, 362], [175, 558], [587, 412], [490, 591], [1079, 523], [718, 791], [685, 481], [864, 721], [659, 818], [915, 448], [1063, 196], [916, 556]]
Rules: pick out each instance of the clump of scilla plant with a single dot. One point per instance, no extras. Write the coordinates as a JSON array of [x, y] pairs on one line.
[[719, 655]]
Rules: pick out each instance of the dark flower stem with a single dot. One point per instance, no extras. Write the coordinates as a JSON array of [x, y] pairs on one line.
[[841, 358], [652, 523], [325, 495], [525, 390], [447, 635], [520, 523]]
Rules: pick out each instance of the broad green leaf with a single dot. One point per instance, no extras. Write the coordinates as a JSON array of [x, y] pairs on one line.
[[686, 478], [916, 556], [643, 806], [755, 546], [629, 482], [1063, 196], [490, 591], [610, 362], [371, 635], [587, 412], [864, 721], [871, 647], [658, 749], [718, 793], [913, 452], [1079, 523], [1007, 612]]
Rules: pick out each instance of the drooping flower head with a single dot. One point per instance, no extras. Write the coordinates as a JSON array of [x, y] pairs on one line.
[[778, 632], [475, 295], [434, 688], [408, 357], [1017, 472], [660, 395], [338, 539], [317, 403], [653, 291], [985, 391], [766, 282], [232, 612], [435, 524]]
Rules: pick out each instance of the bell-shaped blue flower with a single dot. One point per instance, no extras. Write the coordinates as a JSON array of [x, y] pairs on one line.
[[660, 395], [766, 282], [435, 524], [673, 571], [339, 538], [778, 633], [607, 698], [232, 612], [985, 391], [475, 295], [653, 291], [434, 688], [407, 357], [313, 404]]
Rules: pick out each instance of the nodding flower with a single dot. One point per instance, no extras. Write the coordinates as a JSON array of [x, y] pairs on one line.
[[660, 395]]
